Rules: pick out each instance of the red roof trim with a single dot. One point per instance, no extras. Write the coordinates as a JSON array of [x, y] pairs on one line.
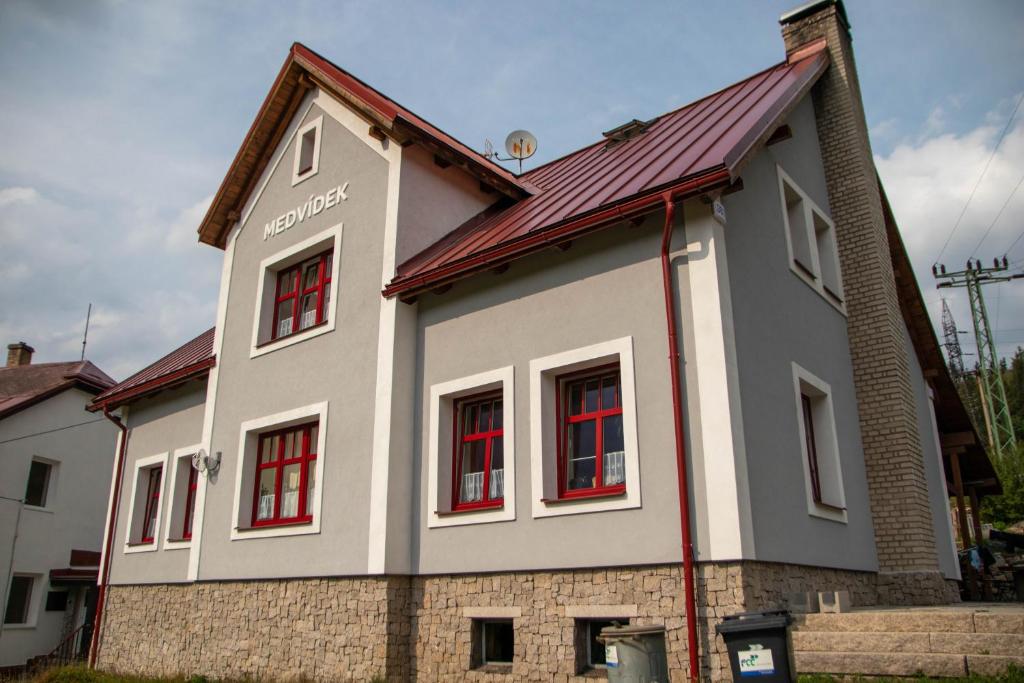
[[116, 399], [574, 227]]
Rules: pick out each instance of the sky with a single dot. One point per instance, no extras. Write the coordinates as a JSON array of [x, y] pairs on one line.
[[119, 119]]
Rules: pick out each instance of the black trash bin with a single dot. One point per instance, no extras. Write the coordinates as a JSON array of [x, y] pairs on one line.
[[758, 644]]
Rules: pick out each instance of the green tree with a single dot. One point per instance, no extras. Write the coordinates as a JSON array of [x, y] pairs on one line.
[[1007, 509]]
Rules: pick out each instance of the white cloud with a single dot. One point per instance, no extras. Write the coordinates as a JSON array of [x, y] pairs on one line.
[[928, 183], [10, 195]]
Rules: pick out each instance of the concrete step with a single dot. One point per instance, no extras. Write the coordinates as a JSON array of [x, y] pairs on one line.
[[924, 643], [881, 664], [915, 621]]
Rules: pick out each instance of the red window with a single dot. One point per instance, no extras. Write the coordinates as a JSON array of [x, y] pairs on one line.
[[190, 503], [478, 468], [152, 504], [303, 295], [812, 449], [591, 454], [285, 476]]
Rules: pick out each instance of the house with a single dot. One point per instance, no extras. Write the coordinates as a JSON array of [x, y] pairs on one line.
[[54, 476], [451, 421]]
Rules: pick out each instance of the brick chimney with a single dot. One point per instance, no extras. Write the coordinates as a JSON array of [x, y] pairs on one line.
[[898, 489], [19, 354]]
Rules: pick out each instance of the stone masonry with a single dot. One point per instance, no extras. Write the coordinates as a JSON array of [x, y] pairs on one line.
[[421, 628], [892, 445]]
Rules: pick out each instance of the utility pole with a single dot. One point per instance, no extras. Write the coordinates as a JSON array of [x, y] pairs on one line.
[[973, 277]]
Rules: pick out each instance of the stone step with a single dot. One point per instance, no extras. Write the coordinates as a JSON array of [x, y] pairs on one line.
[[896, 621], [881, 664], [941, 643]]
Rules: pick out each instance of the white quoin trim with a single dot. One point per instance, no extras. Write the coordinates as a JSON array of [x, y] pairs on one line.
[[730, 527]]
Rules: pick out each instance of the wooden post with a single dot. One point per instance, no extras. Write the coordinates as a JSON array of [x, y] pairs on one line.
[[958, 488]]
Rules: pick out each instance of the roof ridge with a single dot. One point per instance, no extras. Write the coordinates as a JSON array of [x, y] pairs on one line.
[[658, 117]]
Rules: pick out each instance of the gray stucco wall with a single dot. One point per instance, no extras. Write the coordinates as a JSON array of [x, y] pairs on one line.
[[433, 201], [945, 545], [779, 319], [75, 508], [338, 367], [168, 421], [606, 287]]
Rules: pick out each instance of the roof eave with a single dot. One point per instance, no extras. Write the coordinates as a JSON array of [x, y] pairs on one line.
[[537, 240], [157, 384]]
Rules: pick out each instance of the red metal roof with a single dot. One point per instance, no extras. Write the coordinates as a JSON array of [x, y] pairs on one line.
[[392, 111], [708, 139], [193, 359], [25, 385]]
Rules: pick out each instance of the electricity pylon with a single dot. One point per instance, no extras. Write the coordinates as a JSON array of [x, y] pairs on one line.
[[993, 391]]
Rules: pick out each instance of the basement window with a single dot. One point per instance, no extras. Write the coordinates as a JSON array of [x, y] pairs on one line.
[[819, 446], [493, 643], [811, 241], [590, 651], [307, 151]]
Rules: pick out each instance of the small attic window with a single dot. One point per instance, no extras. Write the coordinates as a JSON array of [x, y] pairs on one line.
[[626, 131], [307, 151]]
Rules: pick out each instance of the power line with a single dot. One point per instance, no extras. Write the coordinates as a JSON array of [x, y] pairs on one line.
[[983, 172], [998, 216], [51, 431]]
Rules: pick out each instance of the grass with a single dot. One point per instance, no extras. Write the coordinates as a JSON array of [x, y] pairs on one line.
[[1014, 674]]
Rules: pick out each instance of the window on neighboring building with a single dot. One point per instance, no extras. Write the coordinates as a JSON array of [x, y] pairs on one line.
[[493, 642], [303, 295], [592, 447], [149, 522], [819, 446], [285, 476], [811, 240], [190, 502], [479, 453], [38, 488], [19, 599]]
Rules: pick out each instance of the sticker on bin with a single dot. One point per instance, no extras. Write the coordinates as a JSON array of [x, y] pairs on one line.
[[611, 656], [756, 661]]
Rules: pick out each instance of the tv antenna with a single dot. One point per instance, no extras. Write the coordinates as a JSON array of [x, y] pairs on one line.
[[85, 337], [519, 145]]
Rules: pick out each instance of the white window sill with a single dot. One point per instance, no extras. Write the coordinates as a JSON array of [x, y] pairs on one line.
[[827, 512], [177, 545], [246, 533], [818, 288], [291, 339], [36, 508], [18, 627], [140, 548]]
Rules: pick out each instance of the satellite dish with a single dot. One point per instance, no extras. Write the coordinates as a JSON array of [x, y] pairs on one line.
[[199, 460], [520, 144]]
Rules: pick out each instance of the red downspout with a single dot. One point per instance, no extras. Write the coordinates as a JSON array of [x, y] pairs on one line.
[[677, 417], [111, 526]]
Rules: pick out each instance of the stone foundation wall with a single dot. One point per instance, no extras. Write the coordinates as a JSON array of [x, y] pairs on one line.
[[422, 628], [324, 629]]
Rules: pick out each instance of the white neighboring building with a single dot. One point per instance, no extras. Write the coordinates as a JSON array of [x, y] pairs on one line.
[[55, 461]]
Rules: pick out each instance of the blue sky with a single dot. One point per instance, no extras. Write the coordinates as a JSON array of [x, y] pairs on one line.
[[119, 120]]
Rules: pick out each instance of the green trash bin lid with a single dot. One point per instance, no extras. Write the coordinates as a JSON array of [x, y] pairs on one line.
[[610, 633]]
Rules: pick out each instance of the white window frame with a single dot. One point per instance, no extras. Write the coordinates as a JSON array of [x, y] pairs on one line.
[[266, 290], [51, 484], [812, 213], [544, 428], [178, 498], [826, 445], [443, 397], [34, 599], [245, 466], [133, 503], [317, 125]]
